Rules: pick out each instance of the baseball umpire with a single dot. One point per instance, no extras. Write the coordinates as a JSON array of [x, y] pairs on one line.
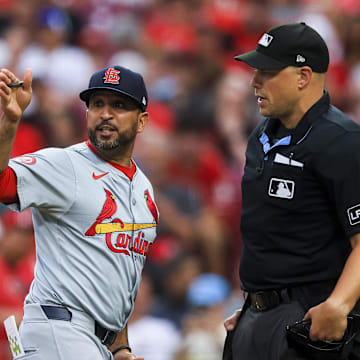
[[301, 204], [94, 220]]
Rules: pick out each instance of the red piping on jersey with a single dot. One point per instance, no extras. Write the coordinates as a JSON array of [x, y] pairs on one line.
[[128, 171], [8, 186]]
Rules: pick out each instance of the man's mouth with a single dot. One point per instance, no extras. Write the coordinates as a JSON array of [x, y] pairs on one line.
[[105, 129], [261, 100]]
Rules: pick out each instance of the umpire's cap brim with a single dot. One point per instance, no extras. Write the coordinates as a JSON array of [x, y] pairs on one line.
[[260, 61]]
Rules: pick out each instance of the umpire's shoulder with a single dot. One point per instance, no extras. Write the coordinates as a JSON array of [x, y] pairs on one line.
[[335, 137], [342, 120], [333, 129]]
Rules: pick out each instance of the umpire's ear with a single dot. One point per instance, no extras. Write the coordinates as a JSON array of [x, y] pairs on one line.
[[143, 118], [305, 75]]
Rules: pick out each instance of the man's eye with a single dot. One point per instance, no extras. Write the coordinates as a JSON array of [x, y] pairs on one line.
[[119, 105], [98, 103]]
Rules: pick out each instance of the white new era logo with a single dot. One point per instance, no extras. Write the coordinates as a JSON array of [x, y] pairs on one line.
[[265, 40], [143, 100], [300, 58]]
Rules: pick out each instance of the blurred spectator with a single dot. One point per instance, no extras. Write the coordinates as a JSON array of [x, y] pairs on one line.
[[185, 215], [21, 14], [352, 56], [257, 17], [28, 139], [129, 58], [170, 27], [62, 127], [15, 40], [196, 163], [323, 17], [203, 329], [153, 337], [234, 118], [172, 281], [16, 269], [60, 65]]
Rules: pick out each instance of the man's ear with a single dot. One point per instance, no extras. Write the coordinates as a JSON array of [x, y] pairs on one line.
[[143, 118], [305, 74]]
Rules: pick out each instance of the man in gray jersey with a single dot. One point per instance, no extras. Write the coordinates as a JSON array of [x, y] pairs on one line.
[[94, 220]]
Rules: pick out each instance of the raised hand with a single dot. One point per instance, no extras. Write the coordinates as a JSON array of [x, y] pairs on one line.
[[14, 100]]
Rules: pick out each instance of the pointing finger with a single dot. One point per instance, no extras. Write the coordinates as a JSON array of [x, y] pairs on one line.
[[27, 79]]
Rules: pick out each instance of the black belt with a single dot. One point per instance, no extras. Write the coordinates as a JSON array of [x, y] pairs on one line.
[[107, 337], [266, 300]]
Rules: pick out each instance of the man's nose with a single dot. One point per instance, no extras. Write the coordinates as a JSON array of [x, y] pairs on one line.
[[106, 112], [255, 81]]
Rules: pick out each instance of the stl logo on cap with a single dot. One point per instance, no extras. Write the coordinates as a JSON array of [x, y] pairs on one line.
[[111, 76]]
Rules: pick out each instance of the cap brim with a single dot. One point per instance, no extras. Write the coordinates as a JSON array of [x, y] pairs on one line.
[[85, 95], [260, 61]]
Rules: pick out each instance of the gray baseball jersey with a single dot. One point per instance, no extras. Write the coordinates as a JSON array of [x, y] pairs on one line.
[[93, 230]]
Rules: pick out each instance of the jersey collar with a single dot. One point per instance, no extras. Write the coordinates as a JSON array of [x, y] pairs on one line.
[[128, 171]]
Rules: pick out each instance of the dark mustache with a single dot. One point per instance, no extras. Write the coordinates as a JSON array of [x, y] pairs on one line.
[[105, 122]]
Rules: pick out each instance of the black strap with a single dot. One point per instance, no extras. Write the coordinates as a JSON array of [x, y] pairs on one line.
[[56, 312], [121, 348], [107, 337], [266, 300]]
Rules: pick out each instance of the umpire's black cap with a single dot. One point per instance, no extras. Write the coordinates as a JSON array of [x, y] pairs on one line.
[[295, 44], [119, 79]]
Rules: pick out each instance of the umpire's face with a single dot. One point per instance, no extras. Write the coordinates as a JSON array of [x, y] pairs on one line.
[[277, 92], [114, 120]]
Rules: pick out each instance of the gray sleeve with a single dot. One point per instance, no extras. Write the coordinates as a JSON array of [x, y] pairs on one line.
[[45, 180]]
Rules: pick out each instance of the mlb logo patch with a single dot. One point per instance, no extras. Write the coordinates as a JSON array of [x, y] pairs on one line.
[[354, 214], [265, 40], [281, 188]]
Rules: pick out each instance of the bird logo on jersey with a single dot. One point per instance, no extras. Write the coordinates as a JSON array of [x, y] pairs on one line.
[[122, 242], [151, 205], [107, 212]]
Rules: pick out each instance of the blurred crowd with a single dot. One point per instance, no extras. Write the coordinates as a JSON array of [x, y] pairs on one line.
[[201, 112]]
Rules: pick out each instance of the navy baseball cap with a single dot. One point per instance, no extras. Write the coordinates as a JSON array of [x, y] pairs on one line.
[[119, 79], [295, 44]]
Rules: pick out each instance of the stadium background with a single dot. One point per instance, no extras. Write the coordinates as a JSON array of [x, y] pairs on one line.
[[201, 110]]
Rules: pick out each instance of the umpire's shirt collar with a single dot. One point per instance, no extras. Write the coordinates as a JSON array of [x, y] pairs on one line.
[[302, 129]]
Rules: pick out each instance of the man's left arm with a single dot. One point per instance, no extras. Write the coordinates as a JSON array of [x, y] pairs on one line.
[[329, 318], [122, 340]]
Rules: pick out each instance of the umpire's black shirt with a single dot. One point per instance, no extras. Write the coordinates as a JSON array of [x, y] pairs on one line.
[[301, 199]]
